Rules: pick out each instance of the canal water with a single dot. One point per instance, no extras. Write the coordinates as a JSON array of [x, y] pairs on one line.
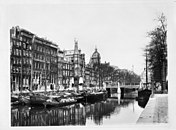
[[112, 111]]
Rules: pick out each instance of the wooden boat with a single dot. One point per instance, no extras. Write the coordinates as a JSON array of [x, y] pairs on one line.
[[80, 99], [38, 99], [144, 94], [78, 96], [95, 96], [15, 103], [14, 98], [142, 102], [63, 102], [24, 100]]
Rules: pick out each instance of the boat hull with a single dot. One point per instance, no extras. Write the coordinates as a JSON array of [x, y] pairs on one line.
[[58, 104], [93, 97], [144, 94], [38, 100]]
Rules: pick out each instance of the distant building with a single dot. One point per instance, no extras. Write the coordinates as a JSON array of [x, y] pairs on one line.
[[67, 72], [95, 59], [45, 64], [20, 58], [33, 61], [60, 68], [76, 59], [90, 80], [92, 71]]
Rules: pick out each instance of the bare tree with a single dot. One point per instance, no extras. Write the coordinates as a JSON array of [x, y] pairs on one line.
[[157, 52]]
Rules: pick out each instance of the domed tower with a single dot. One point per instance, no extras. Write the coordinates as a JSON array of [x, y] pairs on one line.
[[95, 63], [95, 59]]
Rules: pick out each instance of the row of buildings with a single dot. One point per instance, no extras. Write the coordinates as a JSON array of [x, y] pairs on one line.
[[39, 64]]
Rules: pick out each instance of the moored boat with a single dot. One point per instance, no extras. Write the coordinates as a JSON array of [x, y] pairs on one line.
[[24, 100], [62, 102], [79, 97], [14, 98], [144, 94], [38, 99], [95, 96]]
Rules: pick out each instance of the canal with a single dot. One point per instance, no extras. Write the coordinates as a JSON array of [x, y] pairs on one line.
[[112, 111]]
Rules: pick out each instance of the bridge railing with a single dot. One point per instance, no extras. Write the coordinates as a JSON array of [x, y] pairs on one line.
[[131, 84], [124, 86]]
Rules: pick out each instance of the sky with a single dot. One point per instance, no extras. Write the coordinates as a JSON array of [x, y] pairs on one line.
[[118, 29]]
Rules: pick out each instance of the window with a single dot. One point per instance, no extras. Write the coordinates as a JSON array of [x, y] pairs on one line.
[[24, 53], [17, 61], [30, 61], [13, 51], [13, 70], [36, 56], [34, 46], [14, 43], [17, 52], [19, 43], [24, 61], [29, 46], [42, 66], [35, 65], [14, 61], [16, 70], [20, 38], [24, 39], [27, 41]]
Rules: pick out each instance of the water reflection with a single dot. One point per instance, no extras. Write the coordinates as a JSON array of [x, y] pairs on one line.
[[70, 115], [77, 114]]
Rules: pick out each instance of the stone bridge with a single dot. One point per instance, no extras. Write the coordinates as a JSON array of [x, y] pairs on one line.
[[124, 86]]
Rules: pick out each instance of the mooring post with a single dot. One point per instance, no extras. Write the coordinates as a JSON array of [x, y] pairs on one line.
[[122, 93]]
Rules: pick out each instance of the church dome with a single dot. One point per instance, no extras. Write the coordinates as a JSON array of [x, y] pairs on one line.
[[96, 54], [95, 58]]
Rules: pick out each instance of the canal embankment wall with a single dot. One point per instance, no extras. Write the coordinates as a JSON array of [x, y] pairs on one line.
[[156, 110]]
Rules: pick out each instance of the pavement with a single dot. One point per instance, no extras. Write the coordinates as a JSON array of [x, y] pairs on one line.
[[156, 110]]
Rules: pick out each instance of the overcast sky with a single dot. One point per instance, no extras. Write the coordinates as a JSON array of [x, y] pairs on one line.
[[117, 28]]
